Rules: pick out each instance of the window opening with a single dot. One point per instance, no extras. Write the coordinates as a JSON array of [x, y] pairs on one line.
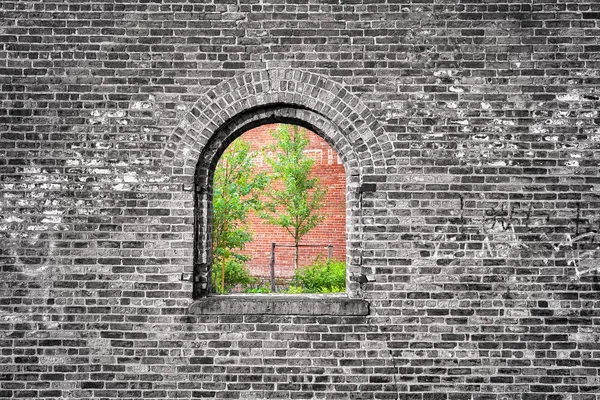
[[258, 238]]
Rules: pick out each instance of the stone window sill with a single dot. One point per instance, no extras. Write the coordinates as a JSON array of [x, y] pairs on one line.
[[277, 304]]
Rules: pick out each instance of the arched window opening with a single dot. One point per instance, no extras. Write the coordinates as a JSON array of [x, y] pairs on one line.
[[216, 139], [279, 218]]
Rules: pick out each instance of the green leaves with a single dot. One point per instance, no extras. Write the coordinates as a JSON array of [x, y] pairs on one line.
[[236, 193], [320, 278], [235, 274]]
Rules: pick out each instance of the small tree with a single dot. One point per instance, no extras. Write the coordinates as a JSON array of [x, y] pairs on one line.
[[294, 202], [236, 189]]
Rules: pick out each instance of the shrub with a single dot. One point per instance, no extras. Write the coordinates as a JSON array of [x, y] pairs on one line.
[[235, 274], [320, 278], [264, 288]]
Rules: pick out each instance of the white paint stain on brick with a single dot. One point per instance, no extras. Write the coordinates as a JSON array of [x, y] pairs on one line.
[[557, 121], [569, 97], [504, 122], [52, 219], [130, 177], [538, 129], [498, 163], [100, 171], [460, 121], [551, 138]]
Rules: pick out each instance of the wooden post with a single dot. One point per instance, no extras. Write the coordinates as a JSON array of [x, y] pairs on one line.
[[273, 288], [329, 253]]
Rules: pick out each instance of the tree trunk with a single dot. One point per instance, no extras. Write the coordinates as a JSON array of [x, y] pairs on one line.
[[295, 256], [223, 278]]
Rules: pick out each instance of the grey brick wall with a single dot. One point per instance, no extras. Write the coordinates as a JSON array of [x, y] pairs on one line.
[[471, 136]]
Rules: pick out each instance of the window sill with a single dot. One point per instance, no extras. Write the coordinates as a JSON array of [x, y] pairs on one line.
[[277, 304]]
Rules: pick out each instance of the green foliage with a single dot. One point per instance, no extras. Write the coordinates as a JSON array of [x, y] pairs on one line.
[[320, 278], [235, 274], [316, 278], [293, 203], [294, 290], [236, 189], [259, 289]]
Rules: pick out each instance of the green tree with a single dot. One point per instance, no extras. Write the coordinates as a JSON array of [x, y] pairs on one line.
[[295, 199], [236, 193]]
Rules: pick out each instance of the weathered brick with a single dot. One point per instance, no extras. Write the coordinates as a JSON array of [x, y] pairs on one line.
[[469, 134]]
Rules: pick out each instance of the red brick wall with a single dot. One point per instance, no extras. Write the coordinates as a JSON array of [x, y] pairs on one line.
[[330, 171]]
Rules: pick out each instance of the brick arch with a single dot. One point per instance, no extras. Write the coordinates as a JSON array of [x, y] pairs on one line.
[[299, 89], [257, 98]]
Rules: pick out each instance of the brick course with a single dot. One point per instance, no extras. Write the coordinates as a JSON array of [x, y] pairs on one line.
[[469, 132]]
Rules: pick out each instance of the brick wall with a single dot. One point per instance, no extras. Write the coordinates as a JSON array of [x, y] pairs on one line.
[[329, 169], [470, 135]]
